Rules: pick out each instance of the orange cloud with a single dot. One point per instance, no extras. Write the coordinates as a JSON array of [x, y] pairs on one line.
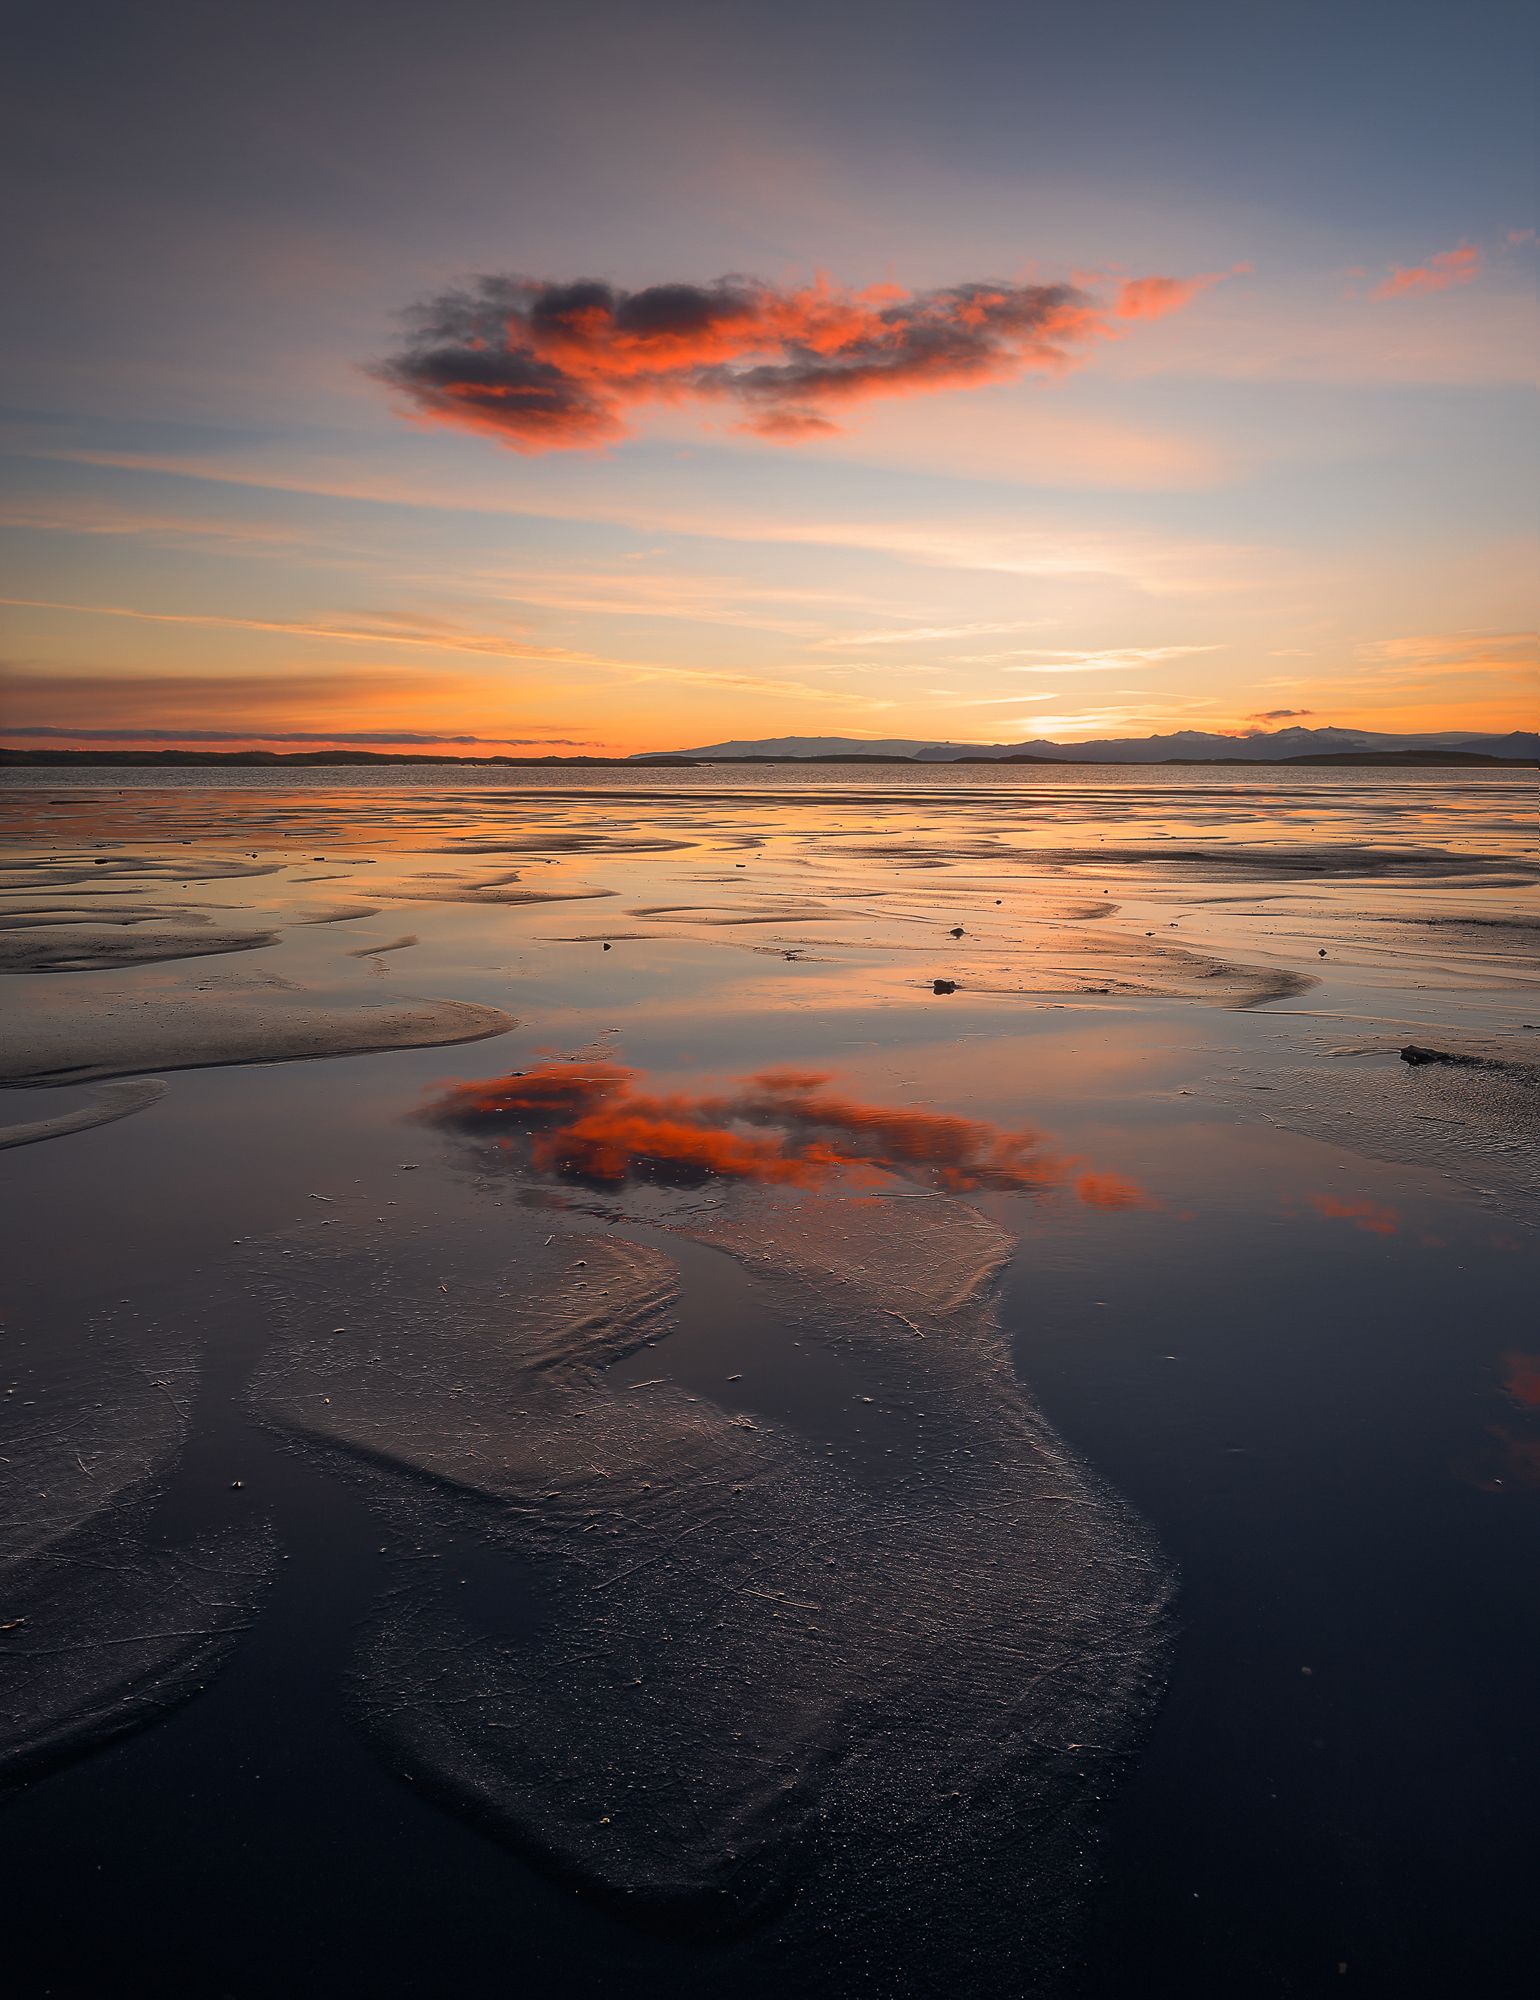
[[592, 1123], [1153, 298], [1439, 274], [1371, 1216], [549, 367], [1521, 1378]]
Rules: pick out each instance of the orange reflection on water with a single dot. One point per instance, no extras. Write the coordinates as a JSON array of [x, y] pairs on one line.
[[1102, 1190], [592, 1122], [1372, 1216], [1512, 1457]]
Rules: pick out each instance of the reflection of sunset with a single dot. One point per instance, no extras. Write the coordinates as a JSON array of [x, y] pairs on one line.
[[1370, 1216], [1102, 1190], [1513, 1457], [779, 1128], [1518, 1456], [1521, 1378]]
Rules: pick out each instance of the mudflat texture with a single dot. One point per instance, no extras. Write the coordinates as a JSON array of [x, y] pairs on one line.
[[105, 1624], [123, 1031], [111, 1101], [92, 944], [861, 1702], [1472, 1118], [628, 1410]]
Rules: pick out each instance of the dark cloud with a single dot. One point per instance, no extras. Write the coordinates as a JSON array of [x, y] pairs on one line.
[[546, 366], [1279, 714]]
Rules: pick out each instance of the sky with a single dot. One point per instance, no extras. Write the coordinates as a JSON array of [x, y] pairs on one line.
[[621, 377]]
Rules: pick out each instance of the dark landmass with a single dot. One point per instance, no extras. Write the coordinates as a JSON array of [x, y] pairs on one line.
[[1433, 757], [221, 759], [1259, 746], [820, 757]]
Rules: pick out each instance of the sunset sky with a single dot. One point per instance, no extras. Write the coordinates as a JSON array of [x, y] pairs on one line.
[[614, 377]]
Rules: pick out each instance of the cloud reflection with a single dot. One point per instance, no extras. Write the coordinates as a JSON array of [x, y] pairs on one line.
[[595, 1123], [1371, 1216], [1521, 1378]]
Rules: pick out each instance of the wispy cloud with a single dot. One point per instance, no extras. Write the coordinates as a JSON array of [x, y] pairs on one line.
[[1158, 564], [91, 517], [675, 595], [367, 630], [918, 634], [44, 701], [380, 738], [546, 366], [1117, 660], [956, 700], [1519, 649], [1155, 298], [1154, 564], [1465, 666], [1460, 266], [221, 693], [443, 637], [1102, 721]]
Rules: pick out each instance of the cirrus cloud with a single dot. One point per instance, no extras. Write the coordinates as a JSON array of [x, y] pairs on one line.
[[548, 366], [383, 738], [1154, 298], [1440, 274]]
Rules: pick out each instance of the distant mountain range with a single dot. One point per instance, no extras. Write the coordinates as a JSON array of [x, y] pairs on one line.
[[1276, 746], [1186, 746]]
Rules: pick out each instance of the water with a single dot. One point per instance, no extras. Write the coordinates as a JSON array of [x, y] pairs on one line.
[[1126, 1353]]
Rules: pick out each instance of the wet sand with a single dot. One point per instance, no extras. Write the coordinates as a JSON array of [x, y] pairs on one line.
[[119, 1030], [113, 1100], [742, 1384]]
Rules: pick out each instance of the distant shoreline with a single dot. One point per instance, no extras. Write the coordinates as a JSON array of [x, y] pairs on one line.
[[217, 760]]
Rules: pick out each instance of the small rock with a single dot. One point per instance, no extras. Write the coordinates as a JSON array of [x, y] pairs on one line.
[[1412, 1053]]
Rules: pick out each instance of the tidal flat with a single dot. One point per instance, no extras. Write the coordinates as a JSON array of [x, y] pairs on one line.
[[819, 1381]]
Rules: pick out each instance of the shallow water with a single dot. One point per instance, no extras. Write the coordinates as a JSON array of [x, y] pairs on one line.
[[756, 1469]]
